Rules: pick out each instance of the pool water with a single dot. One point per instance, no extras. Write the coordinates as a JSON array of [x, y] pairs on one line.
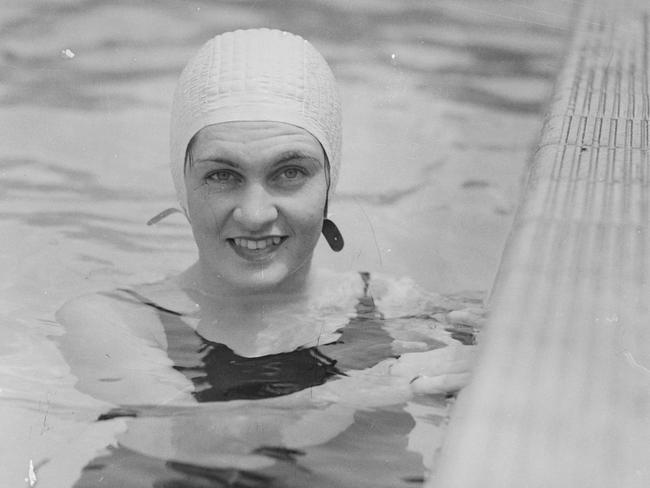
[[303, 427], [442, 103]]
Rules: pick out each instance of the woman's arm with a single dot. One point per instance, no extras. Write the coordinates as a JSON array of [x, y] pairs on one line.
[[443, 327], [114, 349]]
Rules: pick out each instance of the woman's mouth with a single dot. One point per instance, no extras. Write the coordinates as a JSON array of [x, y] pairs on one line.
[[255, 249]]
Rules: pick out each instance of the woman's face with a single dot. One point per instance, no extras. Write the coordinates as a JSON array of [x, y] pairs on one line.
[[256, 197]]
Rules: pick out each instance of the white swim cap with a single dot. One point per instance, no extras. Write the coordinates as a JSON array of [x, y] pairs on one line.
[[255, 75]]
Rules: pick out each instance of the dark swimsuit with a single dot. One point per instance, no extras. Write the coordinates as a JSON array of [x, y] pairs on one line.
[[219, 374]]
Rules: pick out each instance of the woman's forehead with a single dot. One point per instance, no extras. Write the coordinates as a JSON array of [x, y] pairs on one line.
[[254, 138]]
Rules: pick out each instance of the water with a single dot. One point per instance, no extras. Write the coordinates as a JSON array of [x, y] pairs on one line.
[[442, 101]]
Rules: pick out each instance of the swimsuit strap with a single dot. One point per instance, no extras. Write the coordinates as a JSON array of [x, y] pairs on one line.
[[363, 342], [366, 308], [144, 300]]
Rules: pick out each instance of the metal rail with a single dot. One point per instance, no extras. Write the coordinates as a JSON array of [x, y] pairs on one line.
[[561, 393]]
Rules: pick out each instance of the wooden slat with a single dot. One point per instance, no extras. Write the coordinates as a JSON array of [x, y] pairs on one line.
[[561, 393]]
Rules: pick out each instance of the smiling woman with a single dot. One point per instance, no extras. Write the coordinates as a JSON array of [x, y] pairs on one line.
[[310, 355], [256, 201]]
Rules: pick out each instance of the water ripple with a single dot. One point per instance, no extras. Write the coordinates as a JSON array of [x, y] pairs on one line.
[[36, 74]]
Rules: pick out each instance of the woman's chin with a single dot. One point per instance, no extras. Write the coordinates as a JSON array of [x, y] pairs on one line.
[[241, 277]]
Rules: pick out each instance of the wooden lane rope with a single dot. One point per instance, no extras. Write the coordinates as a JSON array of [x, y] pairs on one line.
[[561, 392]]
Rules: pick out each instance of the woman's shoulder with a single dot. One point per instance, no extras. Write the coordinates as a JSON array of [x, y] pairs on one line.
[[398, 296], [115, 346], [392, 295], [333, 286], [403, 296], [130, 311], [105, 312]]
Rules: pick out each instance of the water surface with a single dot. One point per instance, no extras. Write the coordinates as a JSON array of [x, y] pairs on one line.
[[442, 102]]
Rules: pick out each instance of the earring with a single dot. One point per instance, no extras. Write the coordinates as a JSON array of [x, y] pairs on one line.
[[332, 235]]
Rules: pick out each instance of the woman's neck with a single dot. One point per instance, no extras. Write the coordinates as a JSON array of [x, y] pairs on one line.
[[203, 280], [254, 325], [251, 322]]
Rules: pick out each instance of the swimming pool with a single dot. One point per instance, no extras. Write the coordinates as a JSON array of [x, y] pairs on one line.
[[441, 103]]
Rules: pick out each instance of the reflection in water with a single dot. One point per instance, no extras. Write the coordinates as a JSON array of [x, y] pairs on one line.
[[387, 463]]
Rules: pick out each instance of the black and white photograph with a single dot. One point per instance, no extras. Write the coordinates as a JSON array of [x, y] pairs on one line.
[[324, 243]]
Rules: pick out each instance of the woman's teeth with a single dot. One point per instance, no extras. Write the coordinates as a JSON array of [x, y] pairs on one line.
[[253, 244]]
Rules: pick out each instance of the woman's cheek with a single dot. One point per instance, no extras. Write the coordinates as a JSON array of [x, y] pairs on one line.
[[204, 212], [311, 218]]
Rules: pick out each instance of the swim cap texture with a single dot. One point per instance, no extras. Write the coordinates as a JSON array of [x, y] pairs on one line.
[[255, 75]]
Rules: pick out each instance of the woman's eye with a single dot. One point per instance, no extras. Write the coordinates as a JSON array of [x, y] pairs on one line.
[[291, 175], [222, 176]]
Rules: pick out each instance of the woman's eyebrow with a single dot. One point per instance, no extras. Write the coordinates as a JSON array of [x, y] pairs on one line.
[[209, 160], [294, 154], [280, 159]]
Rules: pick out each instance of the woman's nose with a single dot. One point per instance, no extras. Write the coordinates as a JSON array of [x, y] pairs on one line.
[[256, 209]]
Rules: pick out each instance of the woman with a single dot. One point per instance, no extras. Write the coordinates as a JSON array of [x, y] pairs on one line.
[[255, 156]]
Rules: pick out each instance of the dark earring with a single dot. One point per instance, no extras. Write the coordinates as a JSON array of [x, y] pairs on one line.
[[332, 235]]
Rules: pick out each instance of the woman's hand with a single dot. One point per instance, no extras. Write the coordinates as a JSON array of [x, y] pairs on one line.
[[469, 317], [465, 324], [440, 371], [444, 370]]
